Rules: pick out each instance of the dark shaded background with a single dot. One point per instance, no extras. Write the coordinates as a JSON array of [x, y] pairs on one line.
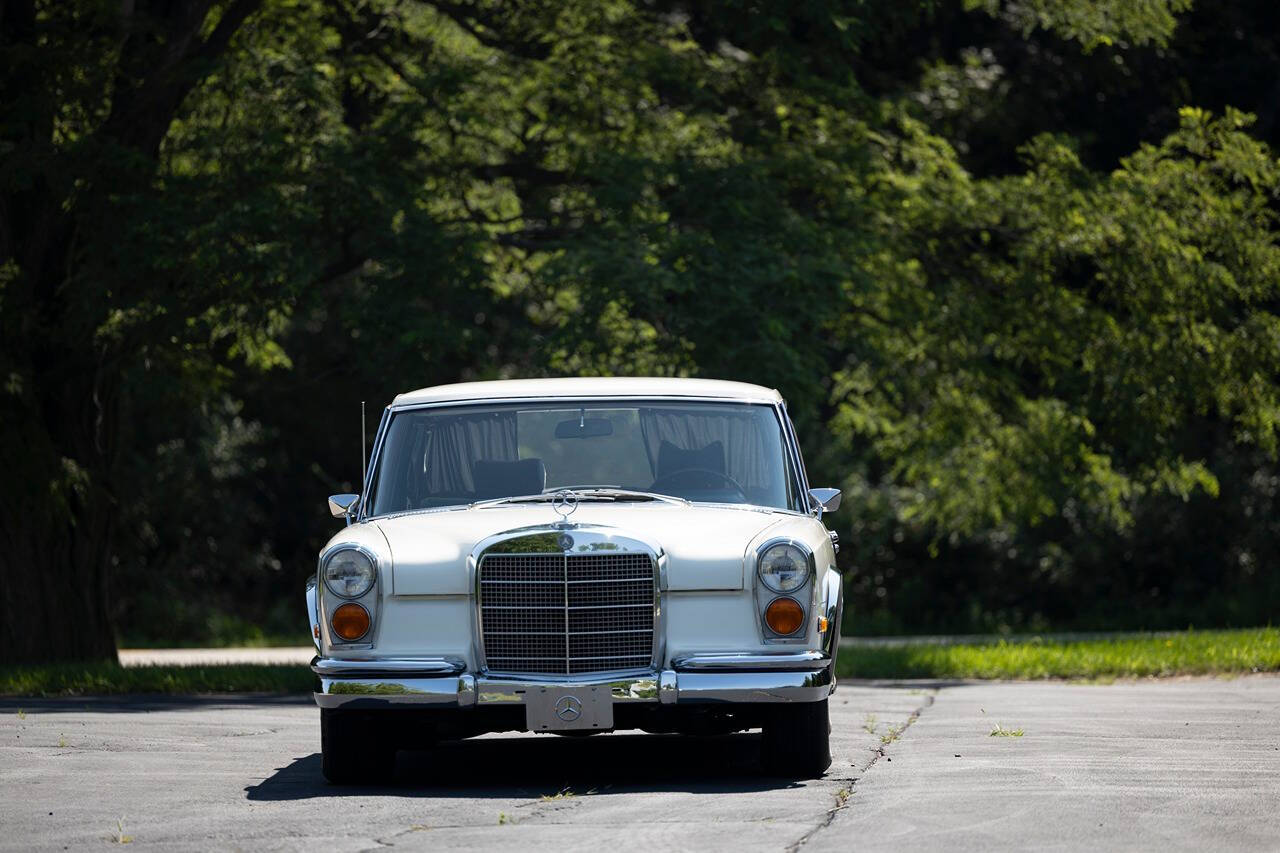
[[341, 201]]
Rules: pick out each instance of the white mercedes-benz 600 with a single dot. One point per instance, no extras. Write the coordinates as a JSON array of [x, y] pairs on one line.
[[576, 556]]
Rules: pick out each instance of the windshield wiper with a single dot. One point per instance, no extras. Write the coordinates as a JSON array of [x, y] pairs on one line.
[[586, 493], [625, 494]]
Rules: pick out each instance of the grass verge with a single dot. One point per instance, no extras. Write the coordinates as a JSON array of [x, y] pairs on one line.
[[98, 679], [1134, 656]]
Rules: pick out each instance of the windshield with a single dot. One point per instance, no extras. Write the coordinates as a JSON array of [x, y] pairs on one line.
[[711, 452]]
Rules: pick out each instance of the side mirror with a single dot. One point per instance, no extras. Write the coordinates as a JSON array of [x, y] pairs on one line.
[[826, 500], [344, 506]]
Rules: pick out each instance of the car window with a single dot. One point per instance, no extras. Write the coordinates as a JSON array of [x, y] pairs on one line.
[[709, 452]]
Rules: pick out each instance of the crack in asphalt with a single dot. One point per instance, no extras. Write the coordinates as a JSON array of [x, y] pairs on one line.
[[542, 807], [843, 794]]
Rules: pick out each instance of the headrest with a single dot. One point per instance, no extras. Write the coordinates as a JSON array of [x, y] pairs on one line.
[[507, 479], [672, 459]]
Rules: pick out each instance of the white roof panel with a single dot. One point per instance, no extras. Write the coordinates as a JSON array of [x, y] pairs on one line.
[[589, 386]]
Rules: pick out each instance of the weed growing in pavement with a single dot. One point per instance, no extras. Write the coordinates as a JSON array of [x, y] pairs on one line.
[[62, 741], [1001, 731], [502, 818], [563, 794], [120, 837], [870, 724], [892, 734], [22, 715]]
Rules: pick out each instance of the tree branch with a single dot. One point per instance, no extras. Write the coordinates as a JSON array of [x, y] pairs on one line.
[[141, 115], [487, 30]]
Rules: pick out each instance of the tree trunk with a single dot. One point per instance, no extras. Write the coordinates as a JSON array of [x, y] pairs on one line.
[[58, 413], [55, 533]]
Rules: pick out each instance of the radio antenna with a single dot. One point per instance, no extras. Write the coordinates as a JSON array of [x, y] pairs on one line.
[[364, 449]]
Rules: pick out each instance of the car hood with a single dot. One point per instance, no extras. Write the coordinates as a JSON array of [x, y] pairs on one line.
[[706, 545]]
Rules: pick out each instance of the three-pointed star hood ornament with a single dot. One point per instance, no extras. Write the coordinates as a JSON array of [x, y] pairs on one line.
[[564, 503]]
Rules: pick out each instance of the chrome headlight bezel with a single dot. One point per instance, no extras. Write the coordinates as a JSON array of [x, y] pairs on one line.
[[354, 553], [800, 554]]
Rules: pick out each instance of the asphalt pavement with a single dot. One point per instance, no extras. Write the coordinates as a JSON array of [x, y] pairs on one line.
[[1176, 764]]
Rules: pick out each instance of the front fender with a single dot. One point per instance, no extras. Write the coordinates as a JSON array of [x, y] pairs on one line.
[[832, 602], [313, 611]]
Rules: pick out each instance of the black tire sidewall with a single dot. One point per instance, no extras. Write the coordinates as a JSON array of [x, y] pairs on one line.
[[796, 740]]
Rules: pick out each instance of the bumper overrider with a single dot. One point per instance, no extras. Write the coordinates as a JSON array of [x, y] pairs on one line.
[[702, 678]]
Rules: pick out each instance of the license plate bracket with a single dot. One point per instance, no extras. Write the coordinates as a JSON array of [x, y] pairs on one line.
[[558, 709]]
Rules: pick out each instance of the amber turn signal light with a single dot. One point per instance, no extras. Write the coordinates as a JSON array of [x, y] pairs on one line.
[[784, 616], [350, 621]]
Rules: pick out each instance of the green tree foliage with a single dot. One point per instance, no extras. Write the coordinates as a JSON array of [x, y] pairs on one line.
[[1020, 296]]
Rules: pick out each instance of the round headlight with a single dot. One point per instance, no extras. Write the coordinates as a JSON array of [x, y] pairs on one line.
[[349, 573], [784, 567]]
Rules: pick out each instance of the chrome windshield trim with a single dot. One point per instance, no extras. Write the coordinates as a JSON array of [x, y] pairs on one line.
[[779, 409], [370, 474]]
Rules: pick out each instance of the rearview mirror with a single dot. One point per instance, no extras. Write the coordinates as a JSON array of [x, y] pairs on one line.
[[584, 428], [344, 506], [826, 500]]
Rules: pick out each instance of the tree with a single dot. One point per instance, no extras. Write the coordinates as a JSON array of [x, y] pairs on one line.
[[91, 91], [223, 225]]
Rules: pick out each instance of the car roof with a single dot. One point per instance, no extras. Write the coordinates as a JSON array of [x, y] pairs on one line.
[[589, 386]]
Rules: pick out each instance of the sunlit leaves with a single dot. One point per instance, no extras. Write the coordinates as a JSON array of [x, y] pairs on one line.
[[1061, 334]]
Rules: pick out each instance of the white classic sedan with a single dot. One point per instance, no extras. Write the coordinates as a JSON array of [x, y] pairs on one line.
[[576, 556]]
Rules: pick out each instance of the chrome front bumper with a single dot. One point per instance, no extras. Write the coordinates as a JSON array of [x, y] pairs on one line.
[[692, 679]]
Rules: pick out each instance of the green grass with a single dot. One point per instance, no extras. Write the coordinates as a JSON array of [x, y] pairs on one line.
[[99, 679], [243, 640], [1134, 656]]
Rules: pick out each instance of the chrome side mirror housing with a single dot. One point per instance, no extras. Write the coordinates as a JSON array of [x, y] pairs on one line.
[[824, 500], [344, 506]]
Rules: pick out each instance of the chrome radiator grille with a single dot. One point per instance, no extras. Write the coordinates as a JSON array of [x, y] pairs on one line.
[[565, 614]]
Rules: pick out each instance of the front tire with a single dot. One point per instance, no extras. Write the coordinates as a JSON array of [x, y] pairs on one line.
[[796, 740], [352, 750]]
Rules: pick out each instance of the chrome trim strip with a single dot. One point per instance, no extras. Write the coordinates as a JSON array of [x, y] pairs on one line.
[[313, 610], [329, 667], [370, 475], [501, 691], [834, 606], [716, 687], [793, 446], [807, 661], [448, 692], [668, 687]]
